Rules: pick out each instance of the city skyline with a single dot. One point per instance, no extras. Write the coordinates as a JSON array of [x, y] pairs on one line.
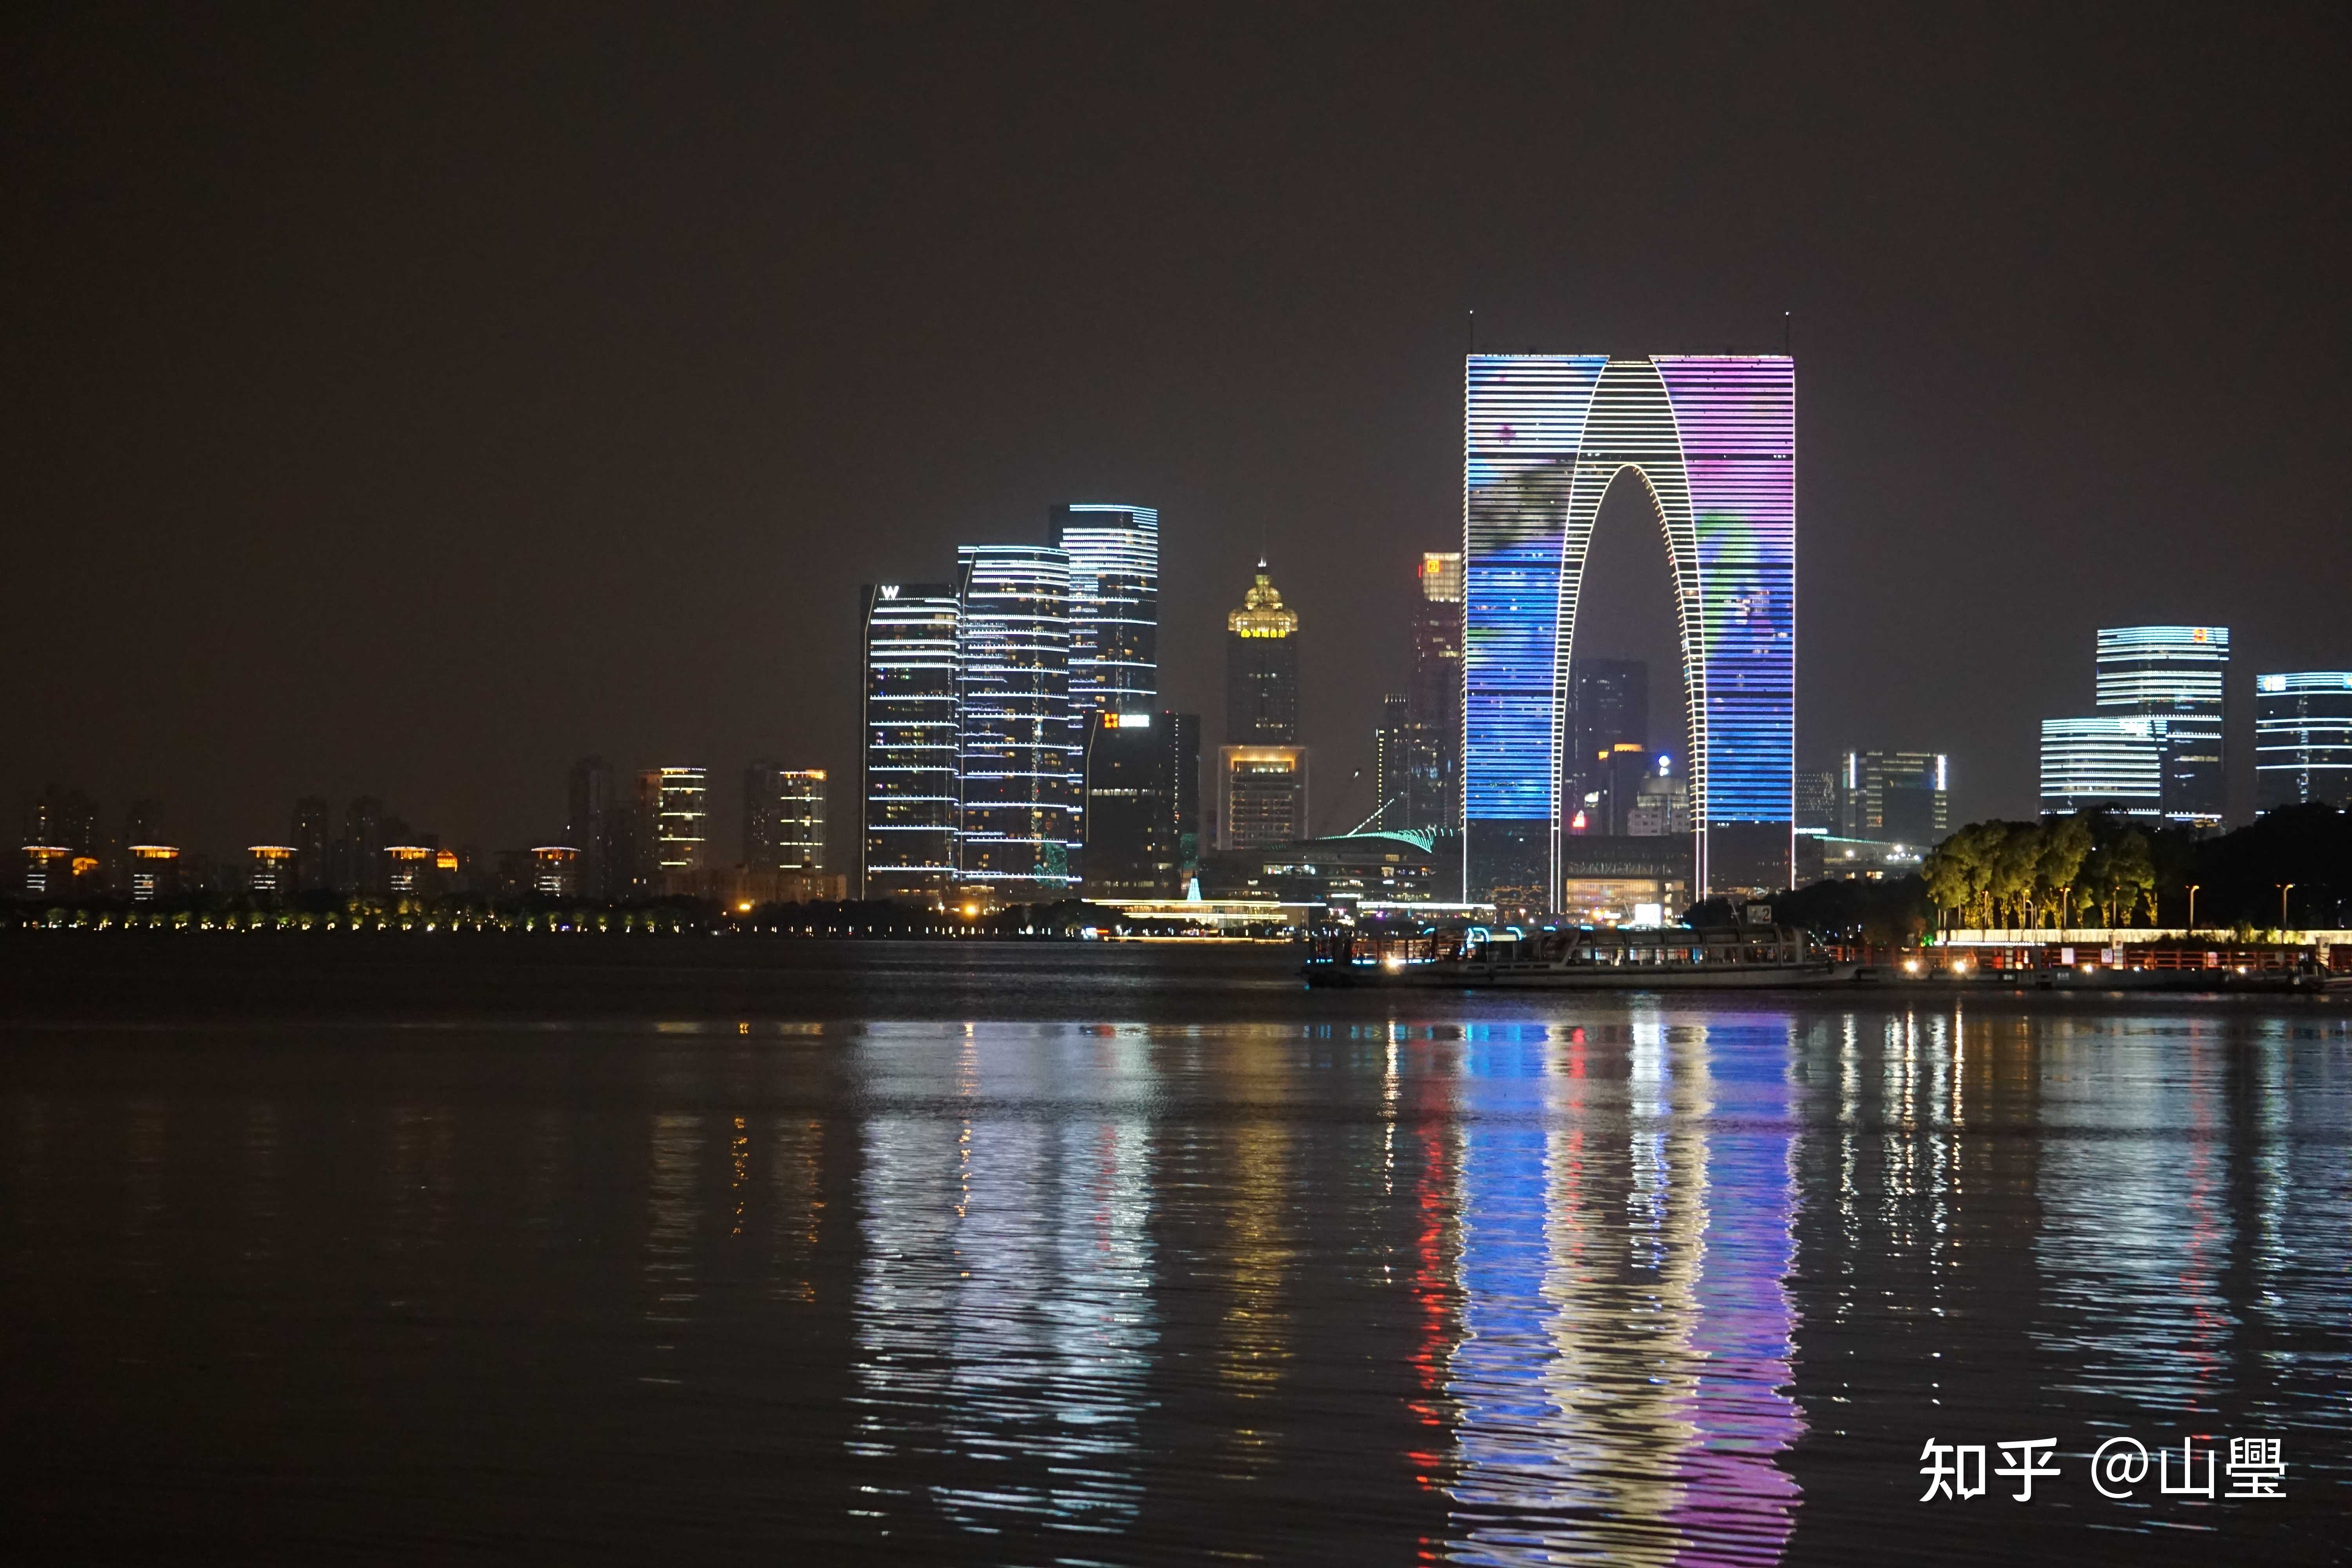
[[422, 452]]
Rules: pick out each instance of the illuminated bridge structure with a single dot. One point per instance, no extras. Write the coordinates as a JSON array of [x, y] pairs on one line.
[[1713, 439]]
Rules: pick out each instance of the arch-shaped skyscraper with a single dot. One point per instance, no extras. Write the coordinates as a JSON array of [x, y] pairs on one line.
[[1713, 440]]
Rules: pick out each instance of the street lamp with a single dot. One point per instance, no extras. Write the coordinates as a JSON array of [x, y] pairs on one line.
[[2283, 888], [2192, 904]]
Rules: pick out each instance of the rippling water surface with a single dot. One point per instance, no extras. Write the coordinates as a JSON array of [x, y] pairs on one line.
[[1051, 1255]]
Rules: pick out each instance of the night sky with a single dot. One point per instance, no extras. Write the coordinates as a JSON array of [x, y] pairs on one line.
[[408, 402]]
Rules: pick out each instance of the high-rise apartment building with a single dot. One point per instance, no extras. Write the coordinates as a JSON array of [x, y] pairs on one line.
[[1262, 669], [2176, 674], [1114, 606], [1134, 833], [2302, 738], [783, 818], [2107, 763], [681, 797], [592, 826], [360, 866], [314, 841], [1894, 797], [66, 819], [908, 745], [1017, 764], [1262, 796], [1714, 440]]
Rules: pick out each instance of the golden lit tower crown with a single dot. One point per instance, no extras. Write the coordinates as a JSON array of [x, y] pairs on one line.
[[1262, 614]]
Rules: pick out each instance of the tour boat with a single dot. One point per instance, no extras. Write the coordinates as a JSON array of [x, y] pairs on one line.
[[1569, 958]]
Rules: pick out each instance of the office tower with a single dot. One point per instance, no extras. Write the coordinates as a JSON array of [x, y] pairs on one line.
[[1817, 804], [591, 826], [2302, 738], [1658, 805], [2176, 674], [1433, 697], [408, 870], [1608, 715], [1894, 797], [313, 840], [1017, 764], [1262, 669], [783, 818], [1114, 553], [155, 870], [1262, 796], [1396, 754], [1713, 438], [679, 797], [1184, 745], [49, 870], [907, 848], [359, 853], [555, 870], [273, 870], [1132, 844], [2115, 764]]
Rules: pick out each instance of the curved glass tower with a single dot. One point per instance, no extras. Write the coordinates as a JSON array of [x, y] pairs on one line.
[[1713, 440]]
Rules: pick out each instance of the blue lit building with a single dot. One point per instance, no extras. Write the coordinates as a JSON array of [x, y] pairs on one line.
[[1017, 756], [1713, 441], [2302, 738], [908, 748], [1114, 552], [2176, 674], [2112, 764]]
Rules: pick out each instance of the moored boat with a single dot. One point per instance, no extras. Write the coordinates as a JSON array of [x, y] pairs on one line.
[[1569, 958]]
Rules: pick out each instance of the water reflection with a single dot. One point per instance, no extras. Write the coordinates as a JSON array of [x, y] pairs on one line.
[[1004, 1322], [1616, 1282], [1623, 1379]]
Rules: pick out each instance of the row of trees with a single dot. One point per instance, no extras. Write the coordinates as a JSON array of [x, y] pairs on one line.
[[2027, 874], [2290, 868]]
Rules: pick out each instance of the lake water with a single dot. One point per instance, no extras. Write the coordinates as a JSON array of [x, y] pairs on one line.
[[728, 1250]]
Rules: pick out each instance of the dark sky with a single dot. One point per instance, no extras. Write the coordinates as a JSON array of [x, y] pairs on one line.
[[409, 401]]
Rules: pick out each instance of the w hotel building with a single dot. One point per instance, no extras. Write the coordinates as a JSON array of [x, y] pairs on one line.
[[978, 696], [1711, 441]]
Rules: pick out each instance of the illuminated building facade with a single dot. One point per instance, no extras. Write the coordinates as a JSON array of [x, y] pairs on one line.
[[555, 870], [1430, 768], [2302, 738], [273, 870], [2110, 764], [680, 801], [783, 818], [2176, 674], [1114, 607], [592, 826], [1261, 795], [408, 869], [1713, 441], [1016, 762], [1894, 797], [1262, 669], [154, 872], [908, 846]]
